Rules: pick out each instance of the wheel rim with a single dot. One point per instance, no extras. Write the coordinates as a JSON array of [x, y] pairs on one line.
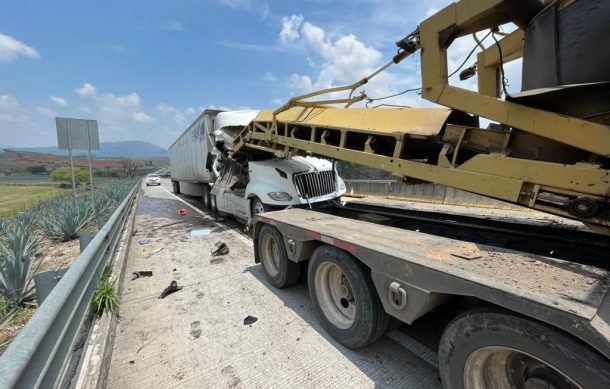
[[271, 255], [258, 208], [335, 295], [504, 367]]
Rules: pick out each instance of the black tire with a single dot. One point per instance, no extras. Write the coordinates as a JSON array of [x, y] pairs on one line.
[[213, 205], [176, 187], [206, 196], [283, 272], [257, 206], [475, 331], [370, 320]]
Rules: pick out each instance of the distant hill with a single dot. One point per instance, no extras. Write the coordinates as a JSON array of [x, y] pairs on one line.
[[130, 148]]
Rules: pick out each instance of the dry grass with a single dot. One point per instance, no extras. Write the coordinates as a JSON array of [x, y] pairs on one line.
[[18, 197], [9, 333]]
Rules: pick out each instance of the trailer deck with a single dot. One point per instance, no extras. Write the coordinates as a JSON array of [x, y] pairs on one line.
[[551, 290]]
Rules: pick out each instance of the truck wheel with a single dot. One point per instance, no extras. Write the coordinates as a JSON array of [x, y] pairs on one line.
[[345, 298], [213, 205], [205, 196], [483, 349], [280, 271], [176, 187], [259, 207]]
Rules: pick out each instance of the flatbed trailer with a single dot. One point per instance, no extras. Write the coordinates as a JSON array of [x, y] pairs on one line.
[[538, 319]]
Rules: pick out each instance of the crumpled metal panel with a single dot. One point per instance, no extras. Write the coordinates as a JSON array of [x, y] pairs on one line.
[[415, 121], [231, 173]]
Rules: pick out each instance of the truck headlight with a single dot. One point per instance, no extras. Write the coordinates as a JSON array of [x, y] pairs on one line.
[[279, 196]]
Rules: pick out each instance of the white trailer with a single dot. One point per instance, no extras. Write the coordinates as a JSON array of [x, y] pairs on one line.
[[263, 183]]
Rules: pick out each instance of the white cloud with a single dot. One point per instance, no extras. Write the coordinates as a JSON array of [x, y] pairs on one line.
[[166, 108], [11, 113], [85, 109], [10, 48], [141, 117], [130, 100], [337, 60], [44, 111], [300, 83], [172, 25], [290, 28], [121, 49], [178, 115], [8, 102], [86, 90], [58, 100]]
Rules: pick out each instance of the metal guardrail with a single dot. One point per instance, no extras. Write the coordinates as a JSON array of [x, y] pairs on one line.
[[38, 355]]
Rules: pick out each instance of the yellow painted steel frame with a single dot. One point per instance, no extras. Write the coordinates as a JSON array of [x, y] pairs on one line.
[[463, 18], [535, 184]]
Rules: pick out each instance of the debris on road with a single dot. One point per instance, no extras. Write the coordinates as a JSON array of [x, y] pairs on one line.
[[139, 274], [221, 249], [173, 287], [467, 255], [250, 320], [205, 232], [182, 212], [157, 250], [144, 241]]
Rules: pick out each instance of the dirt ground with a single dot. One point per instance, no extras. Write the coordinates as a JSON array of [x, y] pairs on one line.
[[197, 338]]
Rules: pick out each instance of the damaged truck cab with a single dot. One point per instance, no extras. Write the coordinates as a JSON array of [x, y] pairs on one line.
[[251, 182]]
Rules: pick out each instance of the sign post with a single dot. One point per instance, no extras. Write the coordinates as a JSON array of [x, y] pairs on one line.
[[77, 134]]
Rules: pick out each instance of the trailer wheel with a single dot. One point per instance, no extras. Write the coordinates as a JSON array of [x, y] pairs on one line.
[[213, 205], [176, 187], [498, 350], [280, 271], [345, 298], [205, 196]]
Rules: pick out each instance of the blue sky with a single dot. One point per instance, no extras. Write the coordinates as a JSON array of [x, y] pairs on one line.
[[146, 68]]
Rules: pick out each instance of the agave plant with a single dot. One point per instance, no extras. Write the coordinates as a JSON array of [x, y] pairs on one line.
[[100, 203], [64, 220], [17, 252]]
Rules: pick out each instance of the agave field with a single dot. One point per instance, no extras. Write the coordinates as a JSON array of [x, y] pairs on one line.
[[61, 219]]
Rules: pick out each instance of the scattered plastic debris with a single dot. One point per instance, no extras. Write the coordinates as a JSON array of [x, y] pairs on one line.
[[173, 287], [206, 232], [182, 212], [219, 219], [157, 250], [250, 320], [139, 274], [221, 249], [144, 241]]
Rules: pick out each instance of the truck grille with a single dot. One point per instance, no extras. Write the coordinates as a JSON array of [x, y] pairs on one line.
[[316, 184]]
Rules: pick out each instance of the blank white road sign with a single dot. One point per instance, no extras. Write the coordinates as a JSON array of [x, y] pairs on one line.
[[83, 134]]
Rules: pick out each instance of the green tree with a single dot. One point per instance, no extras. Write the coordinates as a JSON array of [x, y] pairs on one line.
[[37, 169], [63, 175]]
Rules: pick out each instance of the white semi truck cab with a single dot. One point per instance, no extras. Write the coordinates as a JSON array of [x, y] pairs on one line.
[[258, 182]]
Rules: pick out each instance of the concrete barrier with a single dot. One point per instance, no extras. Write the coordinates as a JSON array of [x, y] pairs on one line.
[[433, 193]]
